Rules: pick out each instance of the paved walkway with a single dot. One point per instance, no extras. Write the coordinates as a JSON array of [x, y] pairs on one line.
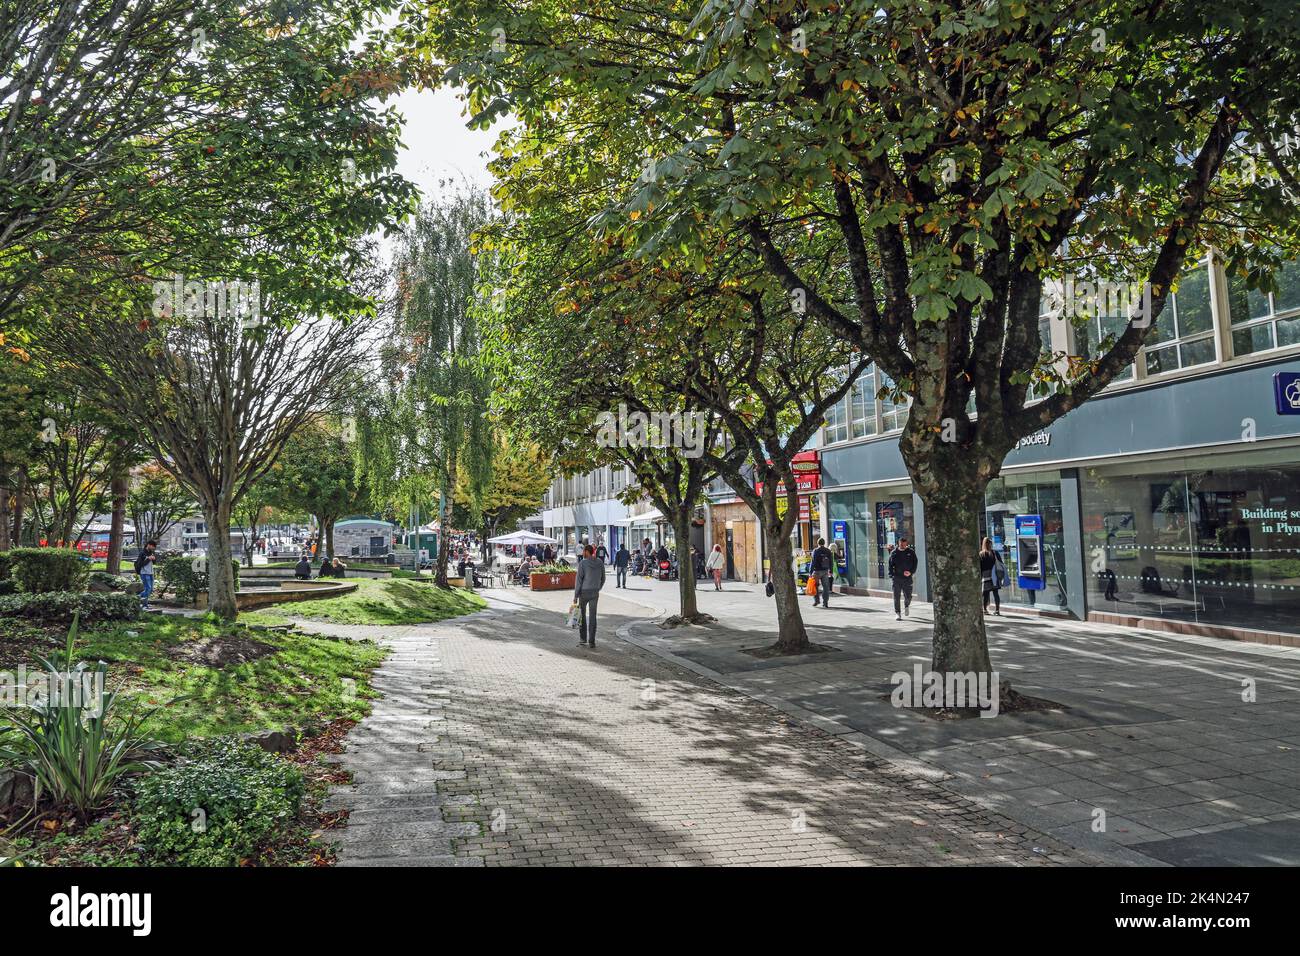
[[397, 757], [501, 742], [1157, 758]]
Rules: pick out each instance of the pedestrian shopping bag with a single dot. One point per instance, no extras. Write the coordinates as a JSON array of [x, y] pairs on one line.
[[573, 614], [812, 585]]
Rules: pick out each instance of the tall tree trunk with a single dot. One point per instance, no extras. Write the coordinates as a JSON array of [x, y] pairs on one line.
[[952, 510], [328, 534], [6, 519], [221, 575], [444, 514], [685, 567], [118, 488], [792, 638], [19, 491]]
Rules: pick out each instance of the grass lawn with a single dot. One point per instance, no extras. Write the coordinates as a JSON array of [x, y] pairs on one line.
[[377, 601], [296, 680]]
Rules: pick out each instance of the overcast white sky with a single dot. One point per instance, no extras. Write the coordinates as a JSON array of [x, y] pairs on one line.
[[438, 144]]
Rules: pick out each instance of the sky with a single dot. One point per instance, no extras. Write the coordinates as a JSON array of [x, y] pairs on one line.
[[438, 145]]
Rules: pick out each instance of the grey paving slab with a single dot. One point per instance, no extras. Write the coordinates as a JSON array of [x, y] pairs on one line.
[[1159, 730], [1264, 844], [563, 751]]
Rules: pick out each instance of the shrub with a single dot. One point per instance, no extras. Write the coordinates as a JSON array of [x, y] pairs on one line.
[[218, 806], [40, 570], [73, 743], [6, 564], [183, 582], [7, 587], [60, 607]]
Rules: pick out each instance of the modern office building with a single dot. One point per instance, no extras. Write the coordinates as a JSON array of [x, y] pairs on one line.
[[588, 509], [1170, 501]]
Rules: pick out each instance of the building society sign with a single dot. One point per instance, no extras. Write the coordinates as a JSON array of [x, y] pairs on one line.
[[1286, 388]]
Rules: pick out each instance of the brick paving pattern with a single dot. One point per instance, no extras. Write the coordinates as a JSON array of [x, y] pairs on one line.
[[542, 753]]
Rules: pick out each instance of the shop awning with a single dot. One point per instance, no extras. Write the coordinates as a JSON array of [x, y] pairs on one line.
[[645, 518]]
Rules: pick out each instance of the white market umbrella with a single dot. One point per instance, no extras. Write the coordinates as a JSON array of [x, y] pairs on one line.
[[522, 537]]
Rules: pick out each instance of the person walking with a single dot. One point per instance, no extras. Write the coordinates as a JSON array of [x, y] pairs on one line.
[[992, 573], [602, 553], [822, 568], [714, 566], [586, 591], [144, 567], [622, 558], [902, 571]]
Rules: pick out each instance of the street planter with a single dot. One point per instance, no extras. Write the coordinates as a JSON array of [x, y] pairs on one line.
[[552, 580]]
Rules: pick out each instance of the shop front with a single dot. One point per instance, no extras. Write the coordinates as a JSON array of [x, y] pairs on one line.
[[806, 466], [1021, 495], [1210, 540], [736, 529], [1143, 514]]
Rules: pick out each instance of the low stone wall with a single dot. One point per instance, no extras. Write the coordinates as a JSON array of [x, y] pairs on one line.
[[287, 592], [260, 571]]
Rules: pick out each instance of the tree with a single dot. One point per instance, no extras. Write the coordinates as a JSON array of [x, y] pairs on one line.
[[247, 118], [156, 502], [250, 513], [22, 403], [315, 474], [950, 158], [594, 327], [215, 403], [431, 416], [520, 476], [81, 448]]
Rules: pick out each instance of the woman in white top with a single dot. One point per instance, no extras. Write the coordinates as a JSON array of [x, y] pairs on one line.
[[714, 566]]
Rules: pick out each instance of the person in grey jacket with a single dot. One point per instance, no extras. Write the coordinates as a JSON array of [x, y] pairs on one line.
[[586, 590]]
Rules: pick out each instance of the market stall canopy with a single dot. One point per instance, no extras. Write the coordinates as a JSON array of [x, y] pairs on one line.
[[522, 537], [646, 517], [102, 527]]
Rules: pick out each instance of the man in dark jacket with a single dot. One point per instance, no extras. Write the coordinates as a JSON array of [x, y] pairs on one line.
[[822, 568], [586, 591], [902, 571], [302, 570], [622, 557]]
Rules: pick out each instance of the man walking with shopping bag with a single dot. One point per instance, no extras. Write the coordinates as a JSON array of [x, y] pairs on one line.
[[822, 572], [586, 591]]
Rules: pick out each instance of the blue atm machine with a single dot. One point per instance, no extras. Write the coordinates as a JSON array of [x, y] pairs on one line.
[[840, 545], [1030, 575]]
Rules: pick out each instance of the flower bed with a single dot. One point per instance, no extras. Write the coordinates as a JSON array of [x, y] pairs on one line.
[[551, 580]]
